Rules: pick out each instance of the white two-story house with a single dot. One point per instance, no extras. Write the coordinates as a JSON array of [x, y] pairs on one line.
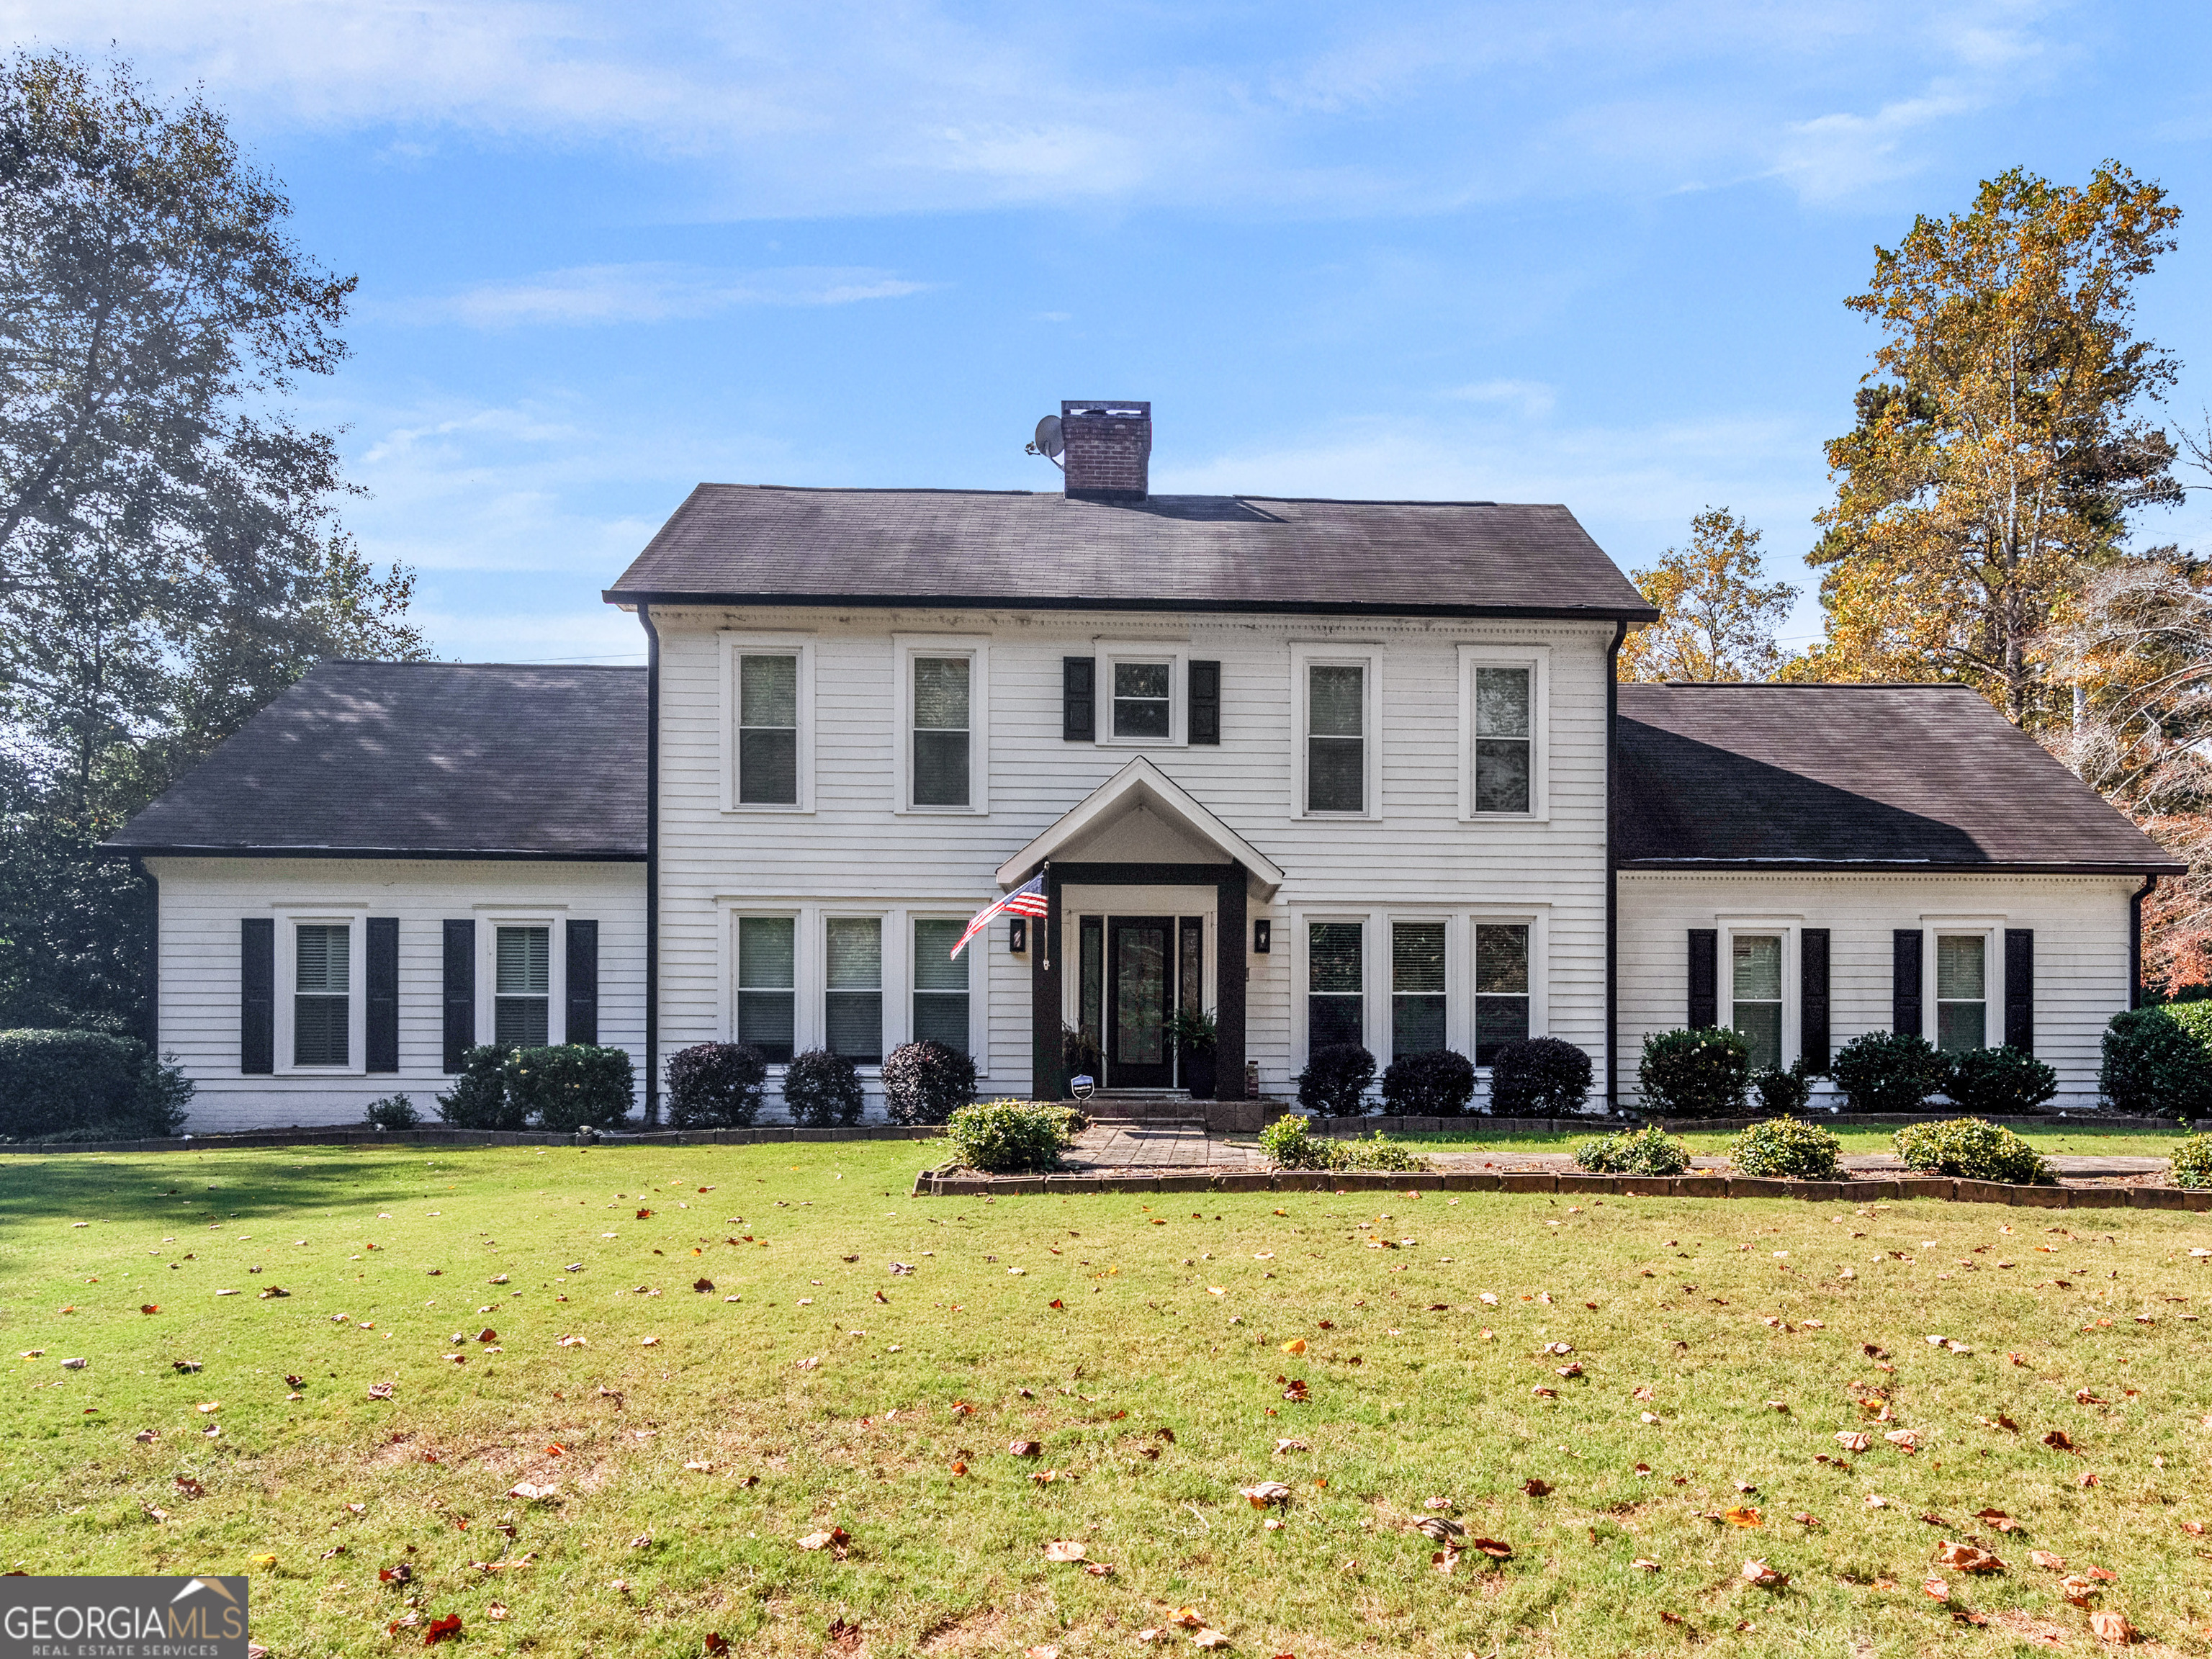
[[1329, 771]]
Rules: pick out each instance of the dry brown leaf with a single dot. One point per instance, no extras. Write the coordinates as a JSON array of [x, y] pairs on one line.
[[1064, 1549], [2047, 1561], [836, 1538], [1209, 1638], [1758, 1573], [1642, 1565], [1852, 1441], [1284, 1446], [1536, 1488], [1936, 1588], [2078, 1591], [1025, 1447], [2112, 1628], [1967, 1557], [2059, 1440], [1265, 1492], [1496, 1549], [1996, 1520]]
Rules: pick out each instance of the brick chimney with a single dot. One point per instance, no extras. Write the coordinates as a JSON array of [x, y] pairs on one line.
[[1108, 448]]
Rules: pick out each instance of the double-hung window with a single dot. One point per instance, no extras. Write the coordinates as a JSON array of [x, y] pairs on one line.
[[1962, 1008], [942, 732], [768, 728], [1755, 985], [1336, 738], [1505, 700], [853, 993], [767, 985], [522, 986], [940, 984], [1501, 987], [1417, 988], [1336, 984], [1144, 700], [322, 1002]]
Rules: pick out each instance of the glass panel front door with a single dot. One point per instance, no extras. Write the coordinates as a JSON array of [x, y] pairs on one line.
[[1139, 970]]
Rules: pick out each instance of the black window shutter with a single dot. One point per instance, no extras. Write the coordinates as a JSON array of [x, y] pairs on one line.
[[1813, 998], [257, 994], [1904, 981], [383, 988], [1206, 702], [460, 995], [1705, 977], [2020, 988], [583, 1004], [1079, 702]]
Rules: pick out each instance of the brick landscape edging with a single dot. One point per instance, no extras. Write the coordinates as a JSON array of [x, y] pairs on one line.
[[946, 1183]]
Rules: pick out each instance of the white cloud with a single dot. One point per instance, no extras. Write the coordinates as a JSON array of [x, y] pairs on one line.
[[642, 292], [1532, 398]]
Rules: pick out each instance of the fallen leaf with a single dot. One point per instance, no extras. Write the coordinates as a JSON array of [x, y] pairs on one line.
[[1996, 1520], [440, 1629], [2058, 1440], [1209, 1638], [190, 1487], [2112, 1628], [1758, 1573], [1296, 1344], [1936, 1588], [398, 1575], [1284, 1446], [1641, 1564], [531, 1492], [1064, 1549], [1853, 1440], [717, 1642], [1536, 1488], [1743, 1515], [2047, 1561], [1967, 1557], [1494, 1548], [1265, 1492], [836, 1538], [1025, 1447]]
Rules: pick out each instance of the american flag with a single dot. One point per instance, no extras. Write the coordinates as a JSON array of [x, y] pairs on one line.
[[1027, 900]]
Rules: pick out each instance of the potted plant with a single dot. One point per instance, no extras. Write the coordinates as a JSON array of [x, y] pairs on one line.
[[1195, 1039]]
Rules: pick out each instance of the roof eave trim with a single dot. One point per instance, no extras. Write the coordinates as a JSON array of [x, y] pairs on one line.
[[620, 596], [1908, 866], [185, 850]]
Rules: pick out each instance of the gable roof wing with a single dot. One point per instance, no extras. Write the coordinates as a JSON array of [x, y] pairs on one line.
[[1852, 776], [420, 759], [759, 545]]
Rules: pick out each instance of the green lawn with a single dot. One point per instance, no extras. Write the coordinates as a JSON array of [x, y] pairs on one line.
[[1407, 1403], [2089, 1139]]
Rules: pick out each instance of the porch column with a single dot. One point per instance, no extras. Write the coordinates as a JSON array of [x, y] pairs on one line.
[[1231, 964], [1048, 1060]]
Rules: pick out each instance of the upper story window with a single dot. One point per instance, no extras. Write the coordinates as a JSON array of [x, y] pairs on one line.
[[1144, 700], [941, 757], [1336, 984], [853, 994], [942, 712], [1755, 984], [1417, 988], [768, 994], [1336, 738], [940, 984], [1504, 704], [1962, 1008], [768, 729], [1501, 987], [322, 1003], [522, 986]]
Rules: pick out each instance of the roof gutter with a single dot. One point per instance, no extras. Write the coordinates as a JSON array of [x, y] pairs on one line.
[[652, 866], [2134, 940], [1625, 615]]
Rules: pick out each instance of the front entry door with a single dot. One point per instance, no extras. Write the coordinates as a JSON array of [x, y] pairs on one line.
[[1140, 970]]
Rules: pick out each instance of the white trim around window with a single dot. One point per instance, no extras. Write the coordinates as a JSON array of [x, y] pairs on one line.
[[1537, 660], [1307, 654], [490, 920], [1375, 965], [289, 919], [810, 969], [1172, 655], [976, 648], [735, 647], [1989, 929], [1787, 929]]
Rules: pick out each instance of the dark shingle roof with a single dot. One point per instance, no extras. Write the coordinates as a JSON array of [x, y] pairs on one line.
[[1845, 775], [422, 759], [739, 543]]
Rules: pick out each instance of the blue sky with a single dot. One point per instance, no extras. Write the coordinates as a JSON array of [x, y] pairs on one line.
[[1570, 251]]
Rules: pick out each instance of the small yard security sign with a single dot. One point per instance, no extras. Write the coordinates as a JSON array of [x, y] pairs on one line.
[[122, 1618]]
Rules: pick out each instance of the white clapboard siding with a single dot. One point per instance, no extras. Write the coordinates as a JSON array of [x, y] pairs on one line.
[[2082, 962], [203, 899], [1418, 855]]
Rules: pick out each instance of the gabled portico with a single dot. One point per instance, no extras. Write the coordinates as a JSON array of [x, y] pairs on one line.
[[1152, 878]]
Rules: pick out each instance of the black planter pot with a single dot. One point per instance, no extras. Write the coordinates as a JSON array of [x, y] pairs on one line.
[[1198, 1072]]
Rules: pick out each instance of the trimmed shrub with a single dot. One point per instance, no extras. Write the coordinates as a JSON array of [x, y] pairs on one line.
[[1437, 1084], [1889, 1072], [2158, 1061], [2190, 1163], [478, 1098], [1293, 1145], [715, 1085], [393, 1112], [1649, 1150], [1695, 1073], [1336, 1079], [1782, 1093], [1006, 1137], [927, 1082], [822, 1090], [1538, 1076], [1970, 1147], [1998, 1081], [573, 1086], [1788, 1147], [62, 1084]]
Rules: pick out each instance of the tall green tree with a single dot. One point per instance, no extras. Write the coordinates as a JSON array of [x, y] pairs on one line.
[[170, 554], [2001, 439], [1717, 612]]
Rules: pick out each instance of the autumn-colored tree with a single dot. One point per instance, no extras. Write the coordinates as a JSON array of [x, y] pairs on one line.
[[2000, 444], [1717, 613]]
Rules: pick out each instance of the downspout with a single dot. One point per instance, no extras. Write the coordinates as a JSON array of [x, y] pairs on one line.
[[1612, 876], [2134, 940], [652, 866]]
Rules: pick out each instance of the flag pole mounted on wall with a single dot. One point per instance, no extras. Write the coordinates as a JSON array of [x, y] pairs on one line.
[[1027, 900]]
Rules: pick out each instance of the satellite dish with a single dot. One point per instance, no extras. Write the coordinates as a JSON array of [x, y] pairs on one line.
[[1047, 441]]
